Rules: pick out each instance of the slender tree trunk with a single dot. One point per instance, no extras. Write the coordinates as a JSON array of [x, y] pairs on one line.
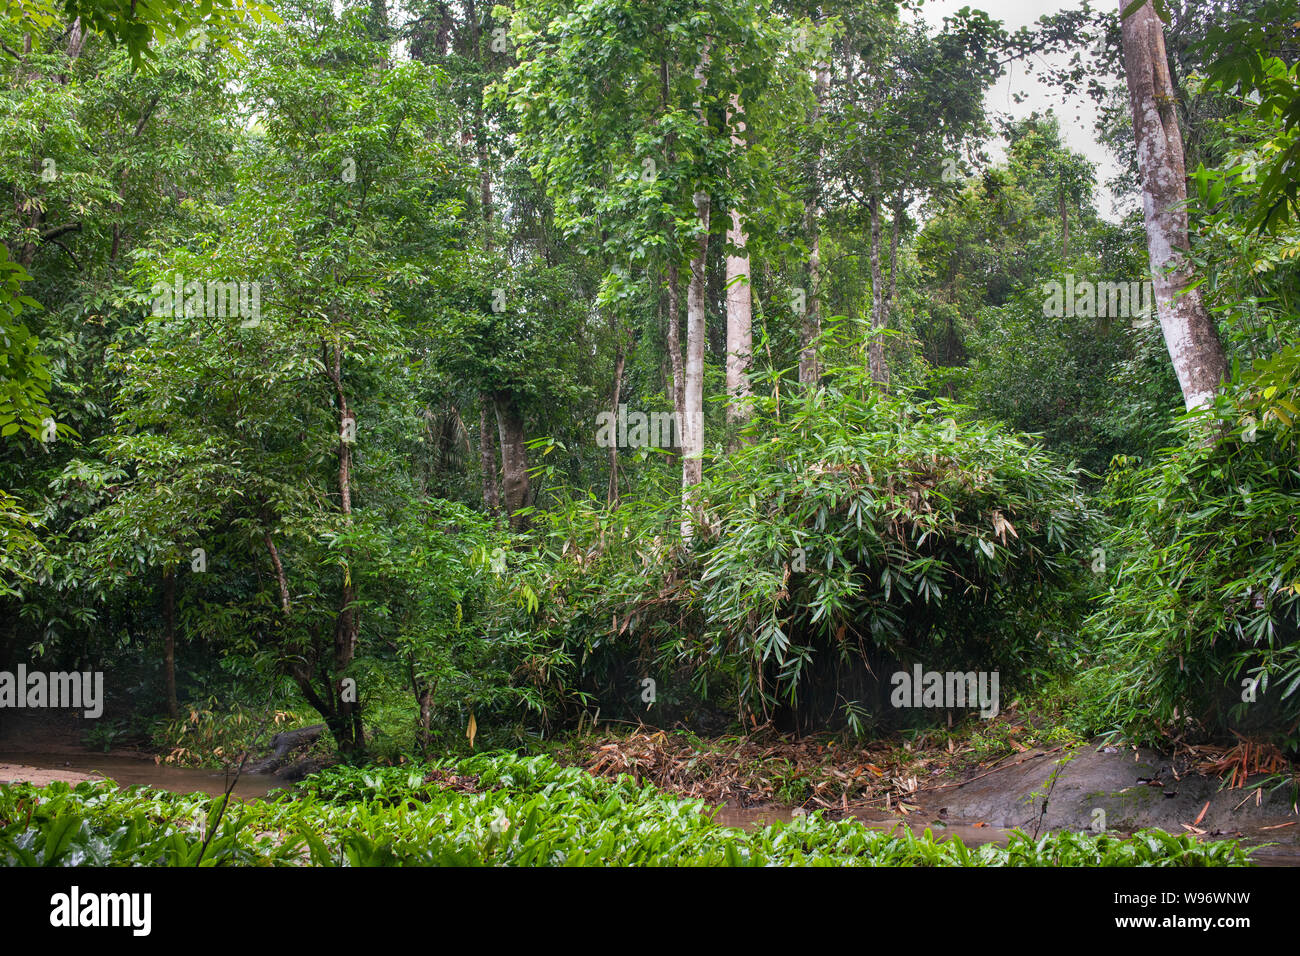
[[301, 669], [714, 293], [876, 347], [502, 405], [1065, 219], [692, 425], [1193, 341], [347, 627], [740, 339], [619, 363], [696, 335], [514, 457], [675, 342], [892, 290], [280, 579], [809, 371], [169, 641], [487, 454], [673, 282]]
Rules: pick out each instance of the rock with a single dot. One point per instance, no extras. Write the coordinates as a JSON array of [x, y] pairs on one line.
[[302, 767], [282, 745], [287, 741], [1132, 789]]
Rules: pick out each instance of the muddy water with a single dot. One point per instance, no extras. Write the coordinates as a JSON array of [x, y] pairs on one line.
[[131, 771]]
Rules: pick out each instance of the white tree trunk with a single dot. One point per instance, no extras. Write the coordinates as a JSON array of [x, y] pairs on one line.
[[876, 344], [693, 399], [692, 425], [1189, 331], [740, 340], [808, 366]]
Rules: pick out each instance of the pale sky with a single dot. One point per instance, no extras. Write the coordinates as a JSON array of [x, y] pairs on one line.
[[1077, 114]]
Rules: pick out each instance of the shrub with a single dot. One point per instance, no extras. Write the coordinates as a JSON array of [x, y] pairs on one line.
[[1204, 597], [867, 527], [853, 527]]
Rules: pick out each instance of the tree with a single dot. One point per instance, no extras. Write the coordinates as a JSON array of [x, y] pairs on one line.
[[622, 109], [740, 335], [907, 105], [1190, 334], [261, 424]]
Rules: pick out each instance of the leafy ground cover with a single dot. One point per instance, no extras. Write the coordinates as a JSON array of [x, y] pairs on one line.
[[498, 809]]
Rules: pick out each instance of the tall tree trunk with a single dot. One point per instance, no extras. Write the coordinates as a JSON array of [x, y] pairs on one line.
[[876, 346], [696, 334], [673, 280], [1190, 335], [809, 372], [1065, 218], [892, 291], [169, 641], [619, 363], [487, 454], [280, 579], [487, 444], [347, 627], [740, 339], [675, 342], [514, 457], [692, 425]]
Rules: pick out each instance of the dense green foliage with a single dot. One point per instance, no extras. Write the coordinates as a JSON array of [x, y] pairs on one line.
[[866, 527], [1200, 628], [309, 317]]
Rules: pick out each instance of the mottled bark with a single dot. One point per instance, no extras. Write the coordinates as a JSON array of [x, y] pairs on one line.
[[514, 457], [280, 578], [675, 342], [487, 450], [740, 341], [692, 425], [876, 344], [1190, 335], [692, 420]]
